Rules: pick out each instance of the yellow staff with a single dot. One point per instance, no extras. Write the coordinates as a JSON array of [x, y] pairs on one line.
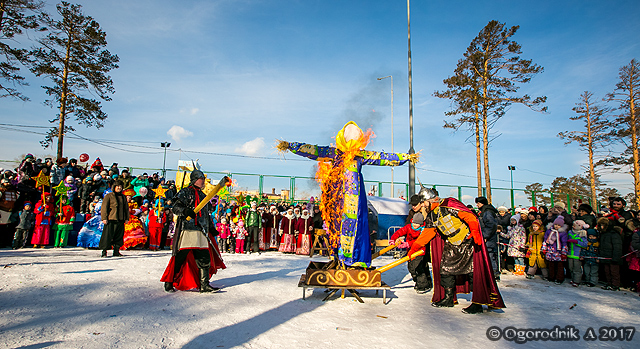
[[211, 194], [400, 261]]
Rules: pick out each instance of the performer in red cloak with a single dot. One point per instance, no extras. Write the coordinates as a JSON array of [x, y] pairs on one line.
[[459, 255], [195, 254]]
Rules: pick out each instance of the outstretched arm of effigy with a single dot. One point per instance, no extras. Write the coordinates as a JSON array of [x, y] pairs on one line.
[[310, 151], [378, 158]]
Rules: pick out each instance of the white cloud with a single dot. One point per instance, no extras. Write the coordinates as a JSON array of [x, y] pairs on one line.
[[252, 147], [177, 133], [194, 111]]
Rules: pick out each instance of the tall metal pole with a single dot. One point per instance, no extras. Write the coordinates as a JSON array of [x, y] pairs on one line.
[[513, 204], [392, 150], [412, 168], [165, 145]]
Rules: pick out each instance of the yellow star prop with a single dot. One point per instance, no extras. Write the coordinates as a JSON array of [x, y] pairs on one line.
[[41, 179], [160, 192], [61, 189]]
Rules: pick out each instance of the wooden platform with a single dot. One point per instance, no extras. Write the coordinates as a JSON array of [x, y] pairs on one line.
[[352, 289]]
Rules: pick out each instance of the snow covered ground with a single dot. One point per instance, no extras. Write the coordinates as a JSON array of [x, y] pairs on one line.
[[71, 298]]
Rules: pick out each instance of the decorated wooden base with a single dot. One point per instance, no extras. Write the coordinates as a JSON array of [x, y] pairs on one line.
[[322, 274]]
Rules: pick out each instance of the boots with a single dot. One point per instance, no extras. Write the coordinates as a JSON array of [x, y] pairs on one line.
[[204, 282], [474, 308], [168, 287], [447, 301], [116, 251], [104, 254]]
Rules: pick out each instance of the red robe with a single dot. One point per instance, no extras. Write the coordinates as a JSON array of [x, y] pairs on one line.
[[304, 227], [485, 288], [189, 275]]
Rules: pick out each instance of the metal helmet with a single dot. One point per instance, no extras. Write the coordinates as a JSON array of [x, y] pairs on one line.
[[427, 194], [195, 175]]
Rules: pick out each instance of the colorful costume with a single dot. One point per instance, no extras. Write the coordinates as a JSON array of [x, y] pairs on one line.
[[156, 223], [44, 219], [344, 202], [195, 255], [287, 228], [460, 260], [133, 229], [64, 224], [272, 222], [91, 232], [304, 229]]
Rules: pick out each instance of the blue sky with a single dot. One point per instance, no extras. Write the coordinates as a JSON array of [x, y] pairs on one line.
[[231, 77]]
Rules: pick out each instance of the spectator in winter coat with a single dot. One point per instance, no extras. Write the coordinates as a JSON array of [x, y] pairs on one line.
[[610, 252], [488, 224], [536, 258], [585, 214], [140, 182], [577, 240], [555, 250], [504, 217], [589, 257], [27, 222], [559, 209], [517, 238], [58, 171]]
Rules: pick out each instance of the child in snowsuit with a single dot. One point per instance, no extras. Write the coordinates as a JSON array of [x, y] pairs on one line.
[[419, 266], [225, 234], [555, 250], [577, 240], [240, 234], [517, 236], [536, 258], [589, 257], [27, 222], [64, 222]]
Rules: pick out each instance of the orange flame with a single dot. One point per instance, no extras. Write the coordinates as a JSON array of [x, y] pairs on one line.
[[331, 176]]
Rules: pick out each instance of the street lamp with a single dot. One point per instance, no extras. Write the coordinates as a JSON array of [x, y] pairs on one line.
[[164, 145], [511, 169], [392, 192]]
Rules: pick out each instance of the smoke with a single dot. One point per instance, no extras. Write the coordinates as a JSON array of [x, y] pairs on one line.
[[367, 106]]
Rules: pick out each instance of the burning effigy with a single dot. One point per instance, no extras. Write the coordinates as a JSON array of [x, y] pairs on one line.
[[343, 201]]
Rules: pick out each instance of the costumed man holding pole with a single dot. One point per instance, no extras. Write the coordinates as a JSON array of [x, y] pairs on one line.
[[459, 256], [195, 256]]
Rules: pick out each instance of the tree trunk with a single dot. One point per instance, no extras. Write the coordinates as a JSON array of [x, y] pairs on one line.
[[634, 143], [592, 174], [2, 7], [478, 151], [63, 99], [485, 131]]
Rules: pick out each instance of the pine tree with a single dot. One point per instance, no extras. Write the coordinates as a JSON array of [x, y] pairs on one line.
[[485, 84], [16, 18], [73, 56], [627, 123], [594, 136]]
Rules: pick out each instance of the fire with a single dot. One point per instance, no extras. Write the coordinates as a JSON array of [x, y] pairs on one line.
[[331, 177]]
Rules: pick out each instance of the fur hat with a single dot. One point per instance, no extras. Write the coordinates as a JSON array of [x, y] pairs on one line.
[[585, 207], [559, 221], [502, 209], [603, 221], [482, 200]]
